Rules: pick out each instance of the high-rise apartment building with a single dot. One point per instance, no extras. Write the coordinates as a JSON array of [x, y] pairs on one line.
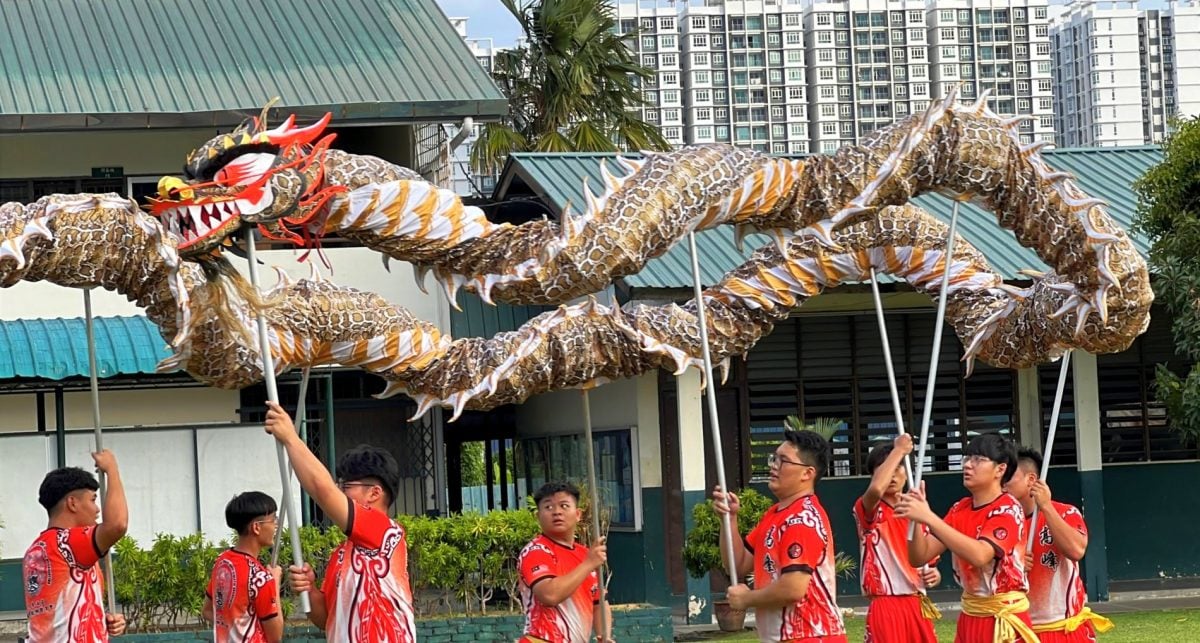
[[797, 76], [1121, 73], [1001, 46]]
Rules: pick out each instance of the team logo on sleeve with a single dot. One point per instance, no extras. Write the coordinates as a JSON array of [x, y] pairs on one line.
[[38, 572], [1000, 533], [794, 551]]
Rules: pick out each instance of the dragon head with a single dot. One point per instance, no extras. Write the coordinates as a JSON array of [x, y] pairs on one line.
[[272, 178]]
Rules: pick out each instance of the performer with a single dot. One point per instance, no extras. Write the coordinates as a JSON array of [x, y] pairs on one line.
[[790, 550], [559, 586], [1057, 598], [899, 608], [63, 590], [243, 594], [985, 534], [365, 597]]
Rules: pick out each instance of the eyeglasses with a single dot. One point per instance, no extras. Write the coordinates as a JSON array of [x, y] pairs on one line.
[[976, 460], [775, 460], [271, 518], [345, 485]]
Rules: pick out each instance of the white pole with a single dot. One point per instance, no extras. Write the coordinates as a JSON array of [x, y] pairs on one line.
[[595, 499], [891, 370], [714, 425], [939, 321], [298, 421], [285, 478], [93, 373], [1058, 398]]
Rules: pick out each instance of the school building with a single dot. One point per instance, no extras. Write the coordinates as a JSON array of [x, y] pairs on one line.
[[116, 113]]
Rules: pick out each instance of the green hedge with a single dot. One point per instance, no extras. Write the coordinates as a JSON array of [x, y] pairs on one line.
[[461, 564]]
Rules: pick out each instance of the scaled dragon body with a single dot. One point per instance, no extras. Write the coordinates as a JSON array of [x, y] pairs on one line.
[[833, 219]]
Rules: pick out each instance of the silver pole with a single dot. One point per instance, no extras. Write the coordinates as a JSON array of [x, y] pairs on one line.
[[714, 426], [93, 373], [939, 321], [592, 484], [891, 370], [1058, 398], [285, 478], [298, 421]]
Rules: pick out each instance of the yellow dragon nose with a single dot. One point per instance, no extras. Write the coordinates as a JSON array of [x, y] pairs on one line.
[[168, 183]]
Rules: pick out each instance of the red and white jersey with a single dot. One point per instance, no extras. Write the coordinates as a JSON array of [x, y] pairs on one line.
[[243, 594], [883, 550], [62, 587], [1000, 522], [796, 538], [1056, 589], [367, 595], [571, 620]]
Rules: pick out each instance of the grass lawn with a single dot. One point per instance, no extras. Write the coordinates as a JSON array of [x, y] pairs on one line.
[[1174, 626]]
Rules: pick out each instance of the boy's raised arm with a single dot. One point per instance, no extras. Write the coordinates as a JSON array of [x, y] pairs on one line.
[[313, 475]]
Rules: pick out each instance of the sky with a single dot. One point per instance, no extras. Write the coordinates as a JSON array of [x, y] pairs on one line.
[[489, 18]]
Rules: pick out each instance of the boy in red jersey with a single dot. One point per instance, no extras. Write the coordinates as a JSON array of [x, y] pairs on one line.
[[62, 582], [790, 550], [243, 594], [899, 609], [1057, 598], [365, 597], [985, 532], [559, 587]]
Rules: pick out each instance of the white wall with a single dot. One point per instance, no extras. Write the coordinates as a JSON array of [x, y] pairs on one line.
[[131, 408], [159, 473]]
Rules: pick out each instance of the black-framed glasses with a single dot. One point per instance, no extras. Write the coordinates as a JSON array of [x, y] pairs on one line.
[[344, 485], [776, 460]]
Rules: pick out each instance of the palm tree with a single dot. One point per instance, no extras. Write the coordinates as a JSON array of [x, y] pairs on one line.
[[570, 87]]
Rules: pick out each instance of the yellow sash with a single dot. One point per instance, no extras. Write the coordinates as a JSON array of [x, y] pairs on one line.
[[929, 610], [1005, 608], [1099, 622]]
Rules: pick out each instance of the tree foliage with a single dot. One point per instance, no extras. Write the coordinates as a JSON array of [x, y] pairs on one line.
[[1169, 213], [570, 87]]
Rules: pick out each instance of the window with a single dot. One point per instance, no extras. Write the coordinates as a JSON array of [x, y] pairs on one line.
[[718, 40], [825, 73], [946, 33], [1043, 85], [949, 70], [843, 38], [1044, 104], [919, 71], [1043, 49], [949, 52], [798, 111], [844, 92], [647, 24], [829, 129], [795, 56], [1047, 122], [916, 35], [718, 21], [901, 91], [671, 133], [701, 76], [703, 114], [702, 96], [773, 38], [796, 93], [651, 98], [648, 42], [700, 58], [897, 18], [777, 112], [792, 19], [721, 113], [828, 110], [775, 57], [563, 457], [704, 132], [824, 19], [772, 21], [916, 17], [720, 95], [699, 22], [825, 55], [776, 93], [737, 24], [920, 89], [668, 42], [669, 60], [1023, 105], [670, 96], [1039, 30], [916, 53], [824, 37], [670, 78], [793, 37], [1023, 69], [649, 61], [1039, 13], [670, 114], [897, 36], [828, 147], [798, 129], [1019, 31], [718, 58], [722, 132], [946, 15], [778, 130], [700, 40], [826, 91], [1022, 86], [666, 23]]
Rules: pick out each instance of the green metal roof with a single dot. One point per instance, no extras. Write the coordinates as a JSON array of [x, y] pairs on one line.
[[57, 348], [477, 319], [125, 63], [1107, 173]]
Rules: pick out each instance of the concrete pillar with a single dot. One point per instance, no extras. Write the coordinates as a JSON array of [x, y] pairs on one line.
[[650, 474], [1091, 478], [1029, 408], [691, 466]]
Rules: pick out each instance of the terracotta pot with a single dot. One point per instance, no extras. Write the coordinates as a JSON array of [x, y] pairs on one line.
[[729, 619]]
